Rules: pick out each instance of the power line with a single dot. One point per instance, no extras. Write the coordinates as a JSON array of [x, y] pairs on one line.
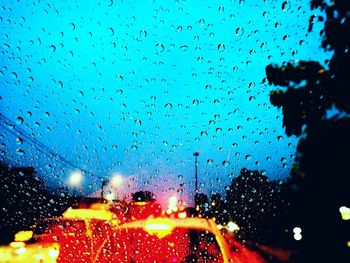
[[11, 127]]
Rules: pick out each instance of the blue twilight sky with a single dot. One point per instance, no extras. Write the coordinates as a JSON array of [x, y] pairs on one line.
[[135, 87]]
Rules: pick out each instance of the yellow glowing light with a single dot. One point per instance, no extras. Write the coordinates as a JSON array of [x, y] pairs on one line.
[[88, 214], [160, 227], [345, 212], [117, 180], [75, 178], [22, 236], [182, 215], [232, 227], [348, 243], [140, 203], [39, 257], [219, 227], [17, 244]]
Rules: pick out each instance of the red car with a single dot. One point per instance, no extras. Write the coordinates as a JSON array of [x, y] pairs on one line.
[[173, 240]]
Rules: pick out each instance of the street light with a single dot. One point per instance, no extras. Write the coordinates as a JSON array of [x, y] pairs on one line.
[[75, 179], [116, 181]]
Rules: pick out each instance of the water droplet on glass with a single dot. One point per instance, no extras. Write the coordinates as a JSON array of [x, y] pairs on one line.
[[134, 148], [168, 106], [239, 31], [225, 163], [138, 122], [183, 48], [210, 161], [20, 152], [19, 141], [53, 48], [221, 47], [285, 6], [159, 47], [14, 75], [19, 120], [143, 33]]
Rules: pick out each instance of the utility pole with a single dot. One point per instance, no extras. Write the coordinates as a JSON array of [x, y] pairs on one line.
[[196, 170], [104, 182], [196, 179]]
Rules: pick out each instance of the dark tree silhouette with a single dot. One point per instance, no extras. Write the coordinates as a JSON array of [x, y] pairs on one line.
[[323, 173], [202, 204], [252, 203], [143, 196], [24, 200]]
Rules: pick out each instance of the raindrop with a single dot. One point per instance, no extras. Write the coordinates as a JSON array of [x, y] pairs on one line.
[[221, 47], [285, 6], [204, 133], [195, 102], [19, 141], [143, 33], [159, 47], [53, 48], [225, 163], [112, 31], [134, 148], [14, 75], [279, 138], [20, 152], [168, 106], [138, 122], [179, 29], [19, 120], [210, 161], [183, 48], [239, 31]]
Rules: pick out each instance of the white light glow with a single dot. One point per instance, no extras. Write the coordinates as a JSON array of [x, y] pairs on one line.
[[75, 178], [296, 230], [116, 180], [232, 226], [172, 204], [298, 237]]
